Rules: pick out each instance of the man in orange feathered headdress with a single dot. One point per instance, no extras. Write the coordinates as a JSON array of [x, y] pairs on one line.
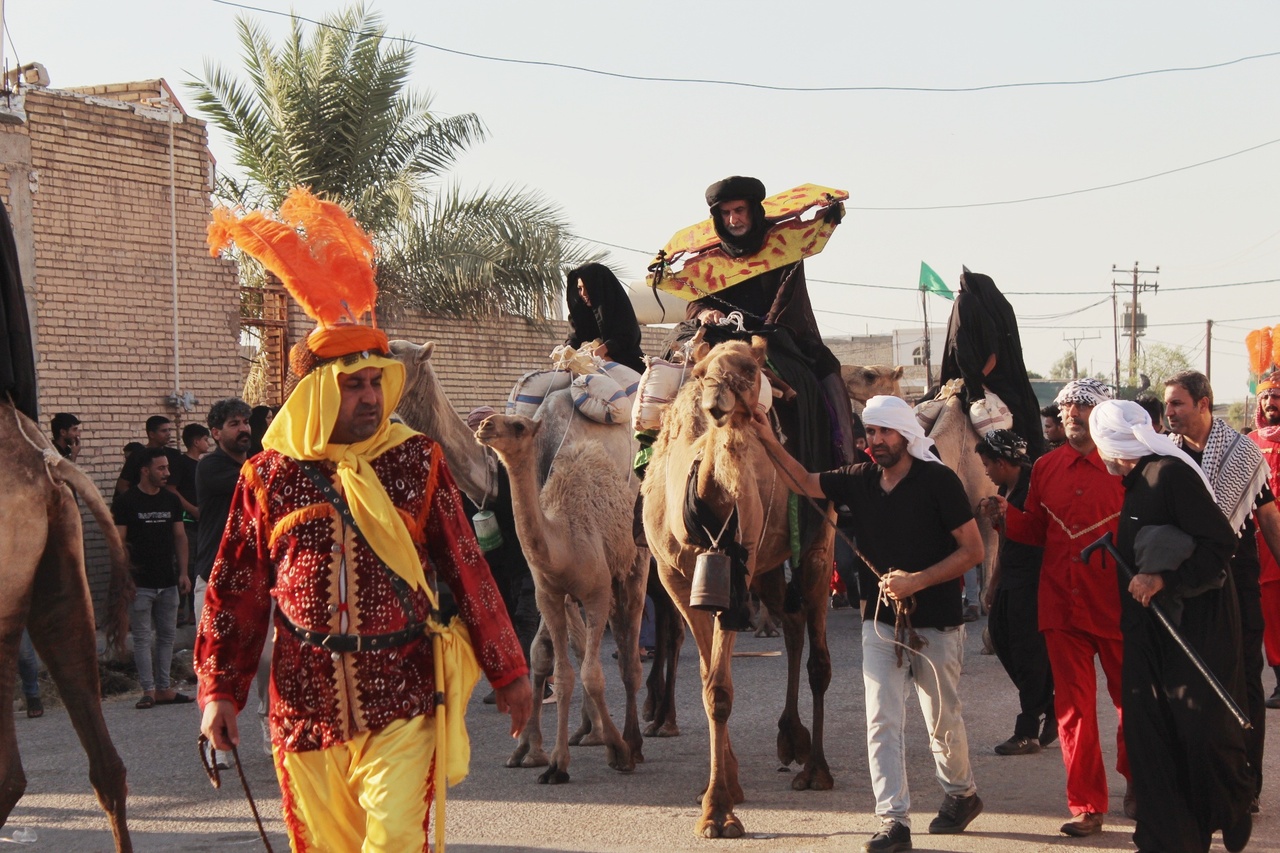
[[341, 520]]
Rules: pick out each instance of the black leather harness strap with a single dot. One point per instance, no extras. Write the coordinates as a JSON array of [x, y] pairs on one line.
[[355, 642]]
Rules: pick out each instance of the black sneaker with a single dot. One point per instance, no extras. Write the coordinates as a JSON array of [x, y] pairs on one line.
[[956, 814], [1049, 732], [1018, 745], [892, 837], [1273, 701]]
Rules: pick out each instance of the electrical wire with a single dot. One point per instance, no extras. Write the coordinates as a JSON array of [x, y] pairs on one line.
[[1068, 192], [649, 78]]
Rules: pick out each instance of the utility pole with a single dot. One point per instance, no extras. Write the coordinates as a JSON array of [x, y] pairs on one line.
[[1138, 287], [1075, 351], [1208, 350]]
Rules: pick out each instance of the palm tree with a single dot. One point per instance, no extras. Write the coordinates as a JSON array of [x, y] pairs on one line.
[[331, 111]]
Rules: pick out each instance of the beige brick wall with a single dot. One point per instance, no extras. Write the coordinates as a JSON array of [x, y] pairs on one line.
[[100, 233]]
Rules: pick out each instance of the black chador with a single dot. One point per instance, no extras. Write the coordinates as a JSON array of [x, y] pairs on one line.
[[1191, 775]]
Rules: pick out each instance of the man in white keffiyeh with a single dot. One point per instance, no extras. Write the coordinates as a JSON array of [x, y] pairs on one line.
[[1238, 475]]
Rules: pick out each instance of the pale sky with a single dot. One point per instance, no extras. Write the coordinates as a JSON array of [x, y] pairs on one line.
[[628, 160]]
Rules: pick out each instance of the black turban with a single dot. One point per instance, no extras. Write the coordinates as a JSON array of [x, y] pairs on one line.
[[736, 188]]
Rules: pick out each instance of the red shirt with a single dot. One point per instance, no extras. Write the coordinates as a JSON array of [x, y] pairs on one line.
[[283, 540], [1072, 501], [1270, 448]]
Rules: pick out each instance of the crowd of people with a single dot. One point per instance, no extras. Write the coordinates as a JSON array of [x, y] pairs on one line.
[[333, 525]]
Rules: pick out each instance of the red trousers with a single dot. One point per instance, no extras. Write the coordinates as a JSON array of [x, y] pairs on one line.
[[1075, 684], [1271, 621]]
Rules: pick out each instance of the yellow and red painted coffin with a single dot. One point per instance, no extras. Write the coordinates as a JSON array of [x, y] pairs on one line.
[[692, 264]]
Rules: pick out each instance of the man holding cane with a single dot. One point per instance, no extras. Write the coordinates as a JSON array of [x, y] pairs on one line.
[[1190, 772]]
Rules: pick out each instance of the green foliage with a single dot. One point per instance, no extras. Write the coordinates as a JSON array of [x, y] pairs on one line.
[[1159, 361], [331, 110]]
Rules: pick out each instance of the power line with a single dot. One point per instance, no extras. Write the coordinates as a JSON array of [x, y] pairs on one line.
[[1069, 192], [649, 78]]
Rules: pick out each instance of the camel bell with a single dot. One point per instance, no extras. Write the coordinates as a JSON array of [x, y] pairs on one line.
[[711, 582], [488, 534]]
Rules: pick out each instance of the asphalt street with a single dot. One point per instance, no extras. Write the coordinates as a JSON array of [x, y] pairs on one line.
[[172, 806]]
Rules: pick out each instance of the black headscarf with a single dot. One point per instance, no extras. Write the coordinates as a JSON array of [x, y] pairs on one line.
[[983, 324], [739, 188], [609, 318]]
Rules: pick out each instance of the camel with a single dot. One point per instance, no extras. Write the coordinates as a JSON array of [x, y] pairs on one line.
[[955, 438], [864, 382], [576, 534], [425, 407], [42, 558], [708, 426]]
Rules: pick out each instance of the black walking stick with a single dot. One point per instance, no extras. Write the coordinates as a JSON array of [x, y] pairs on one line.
[[1105, 541]]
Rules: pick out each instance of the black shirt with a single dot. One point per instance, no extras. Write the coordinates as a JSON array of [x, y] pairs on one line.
[[216, 477], [182, 476], [149, 521], [1019, 563], [909, 529]]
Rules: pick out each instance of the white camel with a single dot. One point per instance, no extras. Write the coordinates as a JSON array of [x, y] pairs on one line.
[[576, 535]]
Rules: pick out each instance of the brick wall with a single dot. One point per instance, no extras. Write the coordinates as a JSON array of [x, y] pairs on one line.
[[87, 183]]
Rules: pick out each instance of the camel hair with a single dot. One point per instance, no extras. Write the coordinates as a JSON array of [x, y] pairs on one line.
[[576, 535], [425, 407], [708, 427], [42, 561]]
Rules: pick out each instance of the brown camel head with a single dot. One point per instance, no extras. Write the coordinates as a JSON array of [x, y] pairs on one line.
[[729, 376], [866, 381], [511, 436]]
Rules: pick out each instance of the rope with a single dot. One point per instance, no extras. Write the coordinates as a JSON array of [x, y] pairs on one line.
[[51, 457]]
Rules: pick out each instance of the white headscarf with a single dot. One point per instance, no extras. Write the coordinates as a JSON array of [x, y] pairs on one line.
[[1122, 430], [894, 413]]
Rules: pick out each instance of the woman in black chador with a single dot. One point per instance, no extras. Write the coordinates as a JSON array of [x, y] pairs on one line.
[[983, 349], [599, 309]]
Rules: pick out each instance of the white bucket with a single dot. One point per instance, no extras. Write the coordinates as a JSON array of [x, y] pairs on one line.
[[488, 534]]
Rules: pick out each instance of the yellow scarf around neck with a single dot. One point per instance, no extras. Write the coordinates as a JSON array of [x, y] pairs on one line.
[[301, 431]]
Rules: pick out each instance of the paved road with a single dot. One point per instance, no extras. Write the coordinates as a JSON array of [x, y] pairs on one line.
[[173, 808]]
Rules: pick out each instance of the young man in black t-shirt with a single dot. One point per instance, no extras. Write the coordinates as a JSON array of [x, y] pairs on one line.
[[912, 522], [149, 518], [1012, 598], [159, 434], [182, 482]]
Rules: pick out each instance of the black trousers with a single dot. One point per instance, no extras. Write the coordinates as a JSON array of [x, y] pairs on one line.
[[1015, 632]]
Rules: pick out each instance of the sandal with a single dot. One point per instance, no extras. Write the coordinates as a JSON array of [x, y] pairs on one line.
[[145, 702], [35, 708], [175, 699]]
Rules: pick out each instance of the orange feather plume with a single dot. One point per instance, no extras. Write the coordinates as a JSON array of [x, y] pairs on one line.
[[1275, 346], [1259, 344], [339, 245], [328, 268]]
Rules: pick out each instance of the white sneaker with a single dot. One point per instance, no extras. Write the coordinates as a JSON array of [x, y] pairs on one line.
[[266, 736]]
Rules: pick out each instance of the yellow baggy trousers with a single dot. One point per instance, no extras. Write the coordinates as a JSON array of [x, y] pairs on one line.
[[372, 793]]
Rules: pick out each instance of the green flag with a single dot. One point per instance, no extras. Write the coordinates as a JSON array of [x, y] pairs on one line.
[[930, 281]]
